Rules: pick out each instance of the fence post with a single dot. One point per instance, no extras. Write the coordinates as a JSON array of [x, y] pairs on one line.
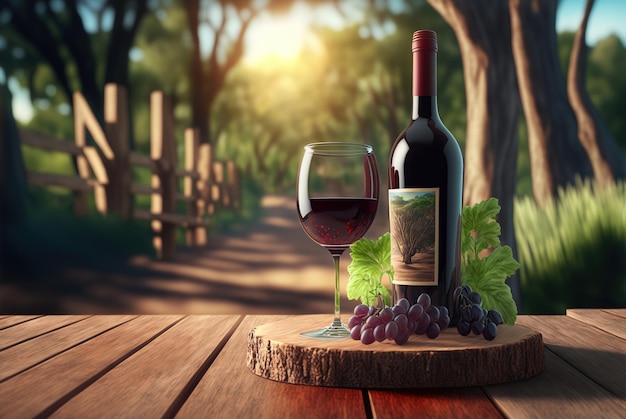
[[233, 185], [163, 153], [217, 186], [118, 192], [84, 119], [205, 171], [196, 235]]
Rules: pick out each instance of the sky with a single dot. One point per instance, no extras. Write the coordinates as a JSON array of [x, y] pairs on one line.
[[607, 17], [286, 34]]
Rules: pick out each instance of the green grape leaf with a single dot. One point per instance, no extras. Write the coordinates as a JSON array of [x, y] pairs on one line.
[[487, 277], [487, 274], [480, 230], [371, 260]]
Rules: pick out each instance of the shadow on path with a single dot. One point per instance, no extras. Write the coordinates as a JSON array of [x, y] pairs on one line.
[[272, 267]]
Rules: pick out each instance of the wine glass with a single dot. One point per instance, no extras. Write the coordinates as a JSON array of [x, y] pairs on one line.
[[337, 201]]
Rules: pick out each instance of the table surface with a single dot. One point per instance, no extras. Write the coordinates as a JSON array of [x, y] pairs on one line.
[[195, 366]]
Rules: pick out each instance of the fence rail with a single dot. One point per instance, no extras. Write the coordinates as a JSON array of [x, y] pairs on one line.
[[106, 170]]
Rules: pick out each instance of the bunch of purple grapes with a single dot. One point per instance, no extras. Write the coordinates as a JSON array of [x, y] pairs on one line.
[[473, 317], [397, 323]]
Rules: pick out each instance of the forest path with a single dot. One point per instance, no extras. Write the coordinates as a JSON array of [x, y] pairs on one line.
[[271, 266]]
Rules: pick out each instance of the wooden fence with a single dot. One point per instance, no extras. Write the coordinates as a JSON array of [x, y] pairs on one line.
[[106, 170]]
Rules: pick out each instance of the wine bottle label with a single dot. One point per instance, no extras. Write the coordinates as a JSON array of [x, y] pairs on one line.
[[414, 228]]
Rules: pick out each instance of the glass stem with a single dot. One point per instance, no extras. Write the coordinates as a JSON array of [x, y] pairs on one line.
[[337, 320]]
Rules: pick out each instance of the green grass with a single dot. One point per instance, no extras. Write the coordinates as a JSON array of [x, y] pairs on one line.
[[573, 252]]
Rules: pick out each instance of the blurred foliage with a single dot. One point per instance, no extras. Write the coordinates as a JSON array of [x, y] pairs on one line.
[[50, 237], [573, 252]]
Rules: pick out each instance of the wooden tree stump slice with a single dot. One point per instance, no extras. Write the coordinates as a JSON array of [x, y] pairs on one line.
[[277, 351]]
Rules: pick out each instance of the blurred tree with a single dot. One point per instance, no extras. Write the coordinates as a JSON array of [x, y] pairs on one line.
[[604, 154], [607, 84], [56, 33], [557, 157], [484, 34]]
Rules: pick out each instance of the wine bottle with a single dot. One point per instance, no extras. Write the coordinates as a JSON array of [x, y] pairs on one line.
[[425, 191]]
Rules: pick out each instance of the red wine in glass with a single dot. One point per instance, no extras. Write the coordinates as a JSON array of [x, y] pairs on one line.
[[335, 223], [337, 202]]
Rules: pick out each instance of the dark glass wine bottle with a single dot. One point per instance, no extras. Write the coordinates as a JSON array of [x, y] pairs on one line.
[[425, 191]]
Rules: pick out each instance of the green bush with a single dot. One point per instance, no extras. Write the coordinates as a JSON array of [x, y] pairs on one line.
[[573, 252]]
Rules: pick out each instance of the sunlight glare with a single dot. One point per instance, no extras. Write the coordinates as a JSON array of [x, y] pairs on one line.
[[278, 36]]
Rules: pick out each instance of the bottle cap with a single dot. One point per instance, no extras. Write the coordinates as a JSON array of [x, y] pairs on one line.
[[424, 40]]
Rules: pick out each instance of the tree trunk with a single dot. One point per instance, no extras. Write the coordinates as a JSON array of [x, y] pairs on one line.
[[13, 187], [605, 156], [556, 156], [208, 77], [491, 144]]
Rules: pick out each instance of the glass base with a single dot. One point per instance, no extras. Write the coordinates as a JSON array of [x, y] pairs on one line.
[[337, 330]]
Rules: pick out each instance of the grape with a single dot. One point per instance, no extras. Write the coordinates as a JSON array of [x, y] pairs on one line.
[[423, 324], [372, 322], [361, 310], [477, 312], [490, 331], [367, 336], [404, 304], [353, 321], [386, 315], [355, 332], [444, 321], [477, 327], [463, 327], [475, 298], [495, 316], [424, 300], [391, 330], [402, 321], [466, 313], [401, 338], [433, 331], [415, 312], [434, 313], [379, 333]]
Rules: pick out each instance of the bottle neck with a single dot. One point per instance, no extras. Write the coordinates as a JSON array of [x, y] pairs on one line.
[[425, 83], [425, 107]]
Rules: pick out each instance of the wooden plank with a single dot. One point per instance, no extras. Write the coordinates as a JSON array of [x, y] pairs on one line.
[[597, 354], [559, 392], [141, 189], [229, 380], [178, 219], [608, 321], [465, 402], [10, 321], [43, 388], [45, 142], [620, 312], [139, 159], [23, 356], [45, 180], [150, 382], [36, 327]]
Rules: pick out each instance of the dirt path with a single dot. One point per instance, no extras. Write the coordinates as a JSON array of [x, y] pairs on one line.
[[272, 267]]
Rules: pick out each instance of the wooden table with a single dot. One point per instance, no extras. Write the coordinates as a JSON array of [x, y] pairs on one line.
[[195, 366]]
